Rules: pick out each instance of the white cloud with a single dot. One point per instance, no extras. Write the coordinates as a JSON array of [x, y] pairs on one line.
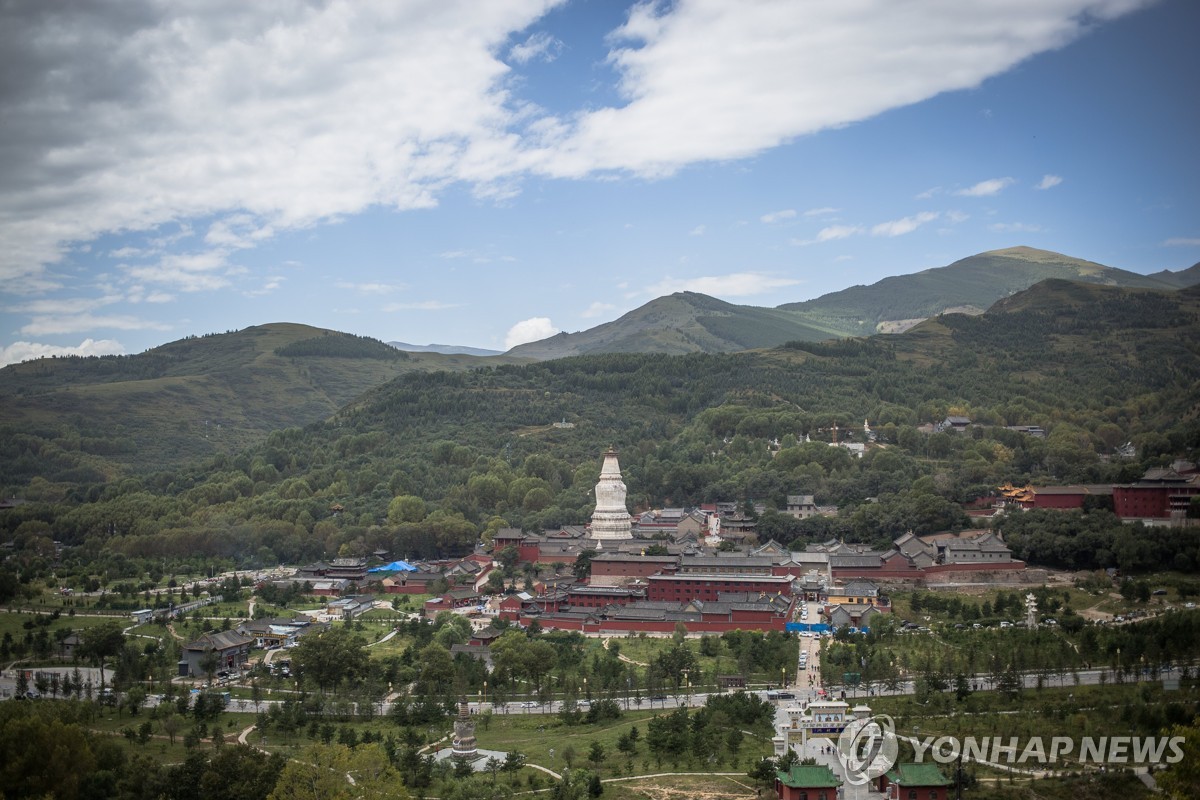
[[275, 115], [986, 188], [17, 352], [159, 297], [238, 231], [824, 211], [831, 234], [899, 227], [424, 305], [370, 288], [710, 80], [738, 284], [929, 194], [79, 323], [775, 216], [1049, 182], [529, 330], [1179, 241], [697, 231], [541, 46], [1014, 227], [270, 285], [67, 305], [187, 272], [266, 116], [598, 309], [955, 216]]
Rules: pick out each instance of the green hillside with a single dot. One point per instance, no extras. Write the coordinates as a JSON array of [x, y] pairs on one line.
[[685, 322], [84, 419], [970, 285], [1095, 366]]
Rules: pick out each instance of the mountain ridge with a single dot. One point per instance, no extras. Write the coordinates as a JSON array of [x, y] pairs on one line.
[[693, 322], [445, 349], [200, 395]]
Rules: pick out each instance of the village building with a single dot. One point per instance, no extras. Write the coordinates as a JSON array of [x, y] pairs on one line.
[[1161, 497], [1056, 497], [953, 424], [348, 608], [854, 604], [588, 596], [984, 548], [462, 597], [733, 563], [278, 631], [617, 569], [231, 648], [410, 582], [739, 529], [808, 782], [801, 506], [352, 570], [708, 586], [914, 782], [730, 611]]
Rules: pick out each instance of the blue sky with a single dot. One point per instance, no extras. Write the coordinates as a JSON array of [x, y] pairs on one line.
[[490, 173]]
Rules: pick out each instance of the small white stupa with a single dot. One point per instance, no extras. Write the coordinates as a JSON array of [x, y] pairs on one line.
[[611, 520]]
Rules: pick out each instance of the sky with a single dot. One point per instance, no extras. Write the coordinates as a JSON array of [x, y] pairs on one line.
[[491, 173]]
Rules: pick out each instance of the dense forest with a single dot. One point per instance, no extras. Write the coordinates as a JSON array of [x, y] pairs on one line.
[[426, 463]]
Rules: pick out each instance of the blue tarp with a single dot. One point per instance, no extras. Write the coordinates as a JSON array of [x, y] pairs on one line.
[[395, 566], [817, 627]]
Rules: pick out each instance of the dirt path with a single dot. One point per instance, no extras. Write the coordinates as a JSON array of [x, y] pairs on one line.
[[1091, 611]]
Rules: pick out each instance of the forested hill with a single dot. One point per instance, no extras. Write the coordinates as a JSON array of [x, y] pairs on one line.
[[687, 322], [684, 322], [423, 464], [971, 285], [84, 419]]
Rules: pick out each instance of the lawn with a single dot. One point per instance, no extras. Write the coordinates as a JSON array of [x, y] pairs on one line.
[[1096, 711], [643, 651], [536, 735]]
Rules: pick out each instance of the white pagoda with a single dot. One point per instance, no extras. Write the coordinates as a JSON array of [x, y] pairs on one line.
[[611, 520]]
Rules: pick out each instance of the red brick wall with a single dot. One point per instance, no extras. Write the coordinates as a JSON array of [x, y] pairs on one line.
[[411, 588], [632, 569], [1141, 501], [981, 567], [1063, 501], [709, 588], [625, 626]]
